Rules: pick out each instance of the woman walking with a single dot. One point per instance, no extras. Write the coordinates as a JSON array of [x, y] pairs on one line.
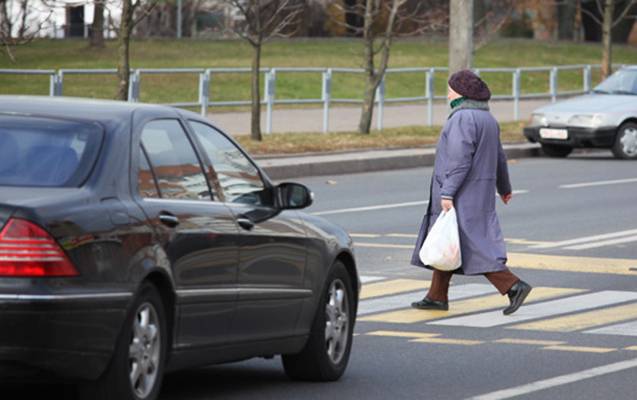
[[470, 165]]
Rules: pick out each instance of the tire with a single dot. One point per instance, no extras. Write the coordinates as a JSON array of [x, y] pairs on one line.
[[556, 151], [146, 328], [325, 359], [625, 146]]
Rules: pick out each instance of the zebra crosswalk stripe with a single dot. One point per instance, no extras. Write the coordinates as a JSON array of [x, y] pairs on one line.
[[625, 329], [542, 310]]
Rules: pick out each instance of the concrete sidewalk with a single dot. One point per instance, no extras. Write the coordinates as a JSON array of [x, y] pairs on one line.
[[343, 119], [366, 161]]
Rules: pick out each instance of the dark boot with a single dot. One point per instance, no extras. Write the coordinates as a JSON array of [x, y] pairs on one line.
[[517, 294], [428, 304]]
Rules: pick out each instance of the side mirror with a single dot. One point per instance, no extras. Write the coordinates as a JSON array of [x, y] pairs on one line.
[[293, 196]]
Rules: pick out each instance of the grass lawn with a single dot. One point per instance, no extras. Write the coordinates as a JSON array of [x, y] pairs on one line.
[[55, 54], [404, 137]]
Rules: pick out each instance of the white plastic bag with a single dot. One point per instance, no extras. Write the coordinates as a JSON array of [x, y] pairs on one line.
[[441, 248]]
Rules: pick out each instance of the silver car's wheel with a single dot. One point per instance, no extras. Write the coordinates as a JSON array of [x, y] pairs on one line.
[[626, 142], [337, 321], [144, 350]]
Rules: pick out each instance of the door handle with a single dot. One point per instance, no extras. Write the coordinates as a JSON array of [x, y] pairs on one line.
[[168, 219], [245, 223]]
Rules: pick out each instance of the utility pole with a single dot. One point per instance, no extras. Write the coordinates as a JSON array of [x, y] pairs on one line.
[[460, 35]]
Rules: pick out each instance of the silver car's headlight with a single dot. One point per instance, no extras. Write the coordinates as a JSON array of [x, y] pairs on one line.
[[539, 120], [586, 120]]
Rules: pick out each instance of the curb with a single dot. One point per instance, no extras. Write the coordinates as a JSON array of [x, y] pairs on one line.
[[368, 161]]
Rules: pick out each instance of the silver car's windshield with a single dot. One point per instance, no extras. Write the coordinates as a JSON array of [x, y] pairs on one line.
[[623, 81]]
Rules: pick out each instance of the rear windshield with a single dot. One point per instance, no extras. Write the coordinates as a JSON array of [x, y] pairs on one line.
[[46, 152]]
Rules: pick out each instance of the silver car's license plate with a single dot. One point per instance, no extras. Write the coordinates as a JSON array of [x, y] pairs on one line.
[[549, 133]]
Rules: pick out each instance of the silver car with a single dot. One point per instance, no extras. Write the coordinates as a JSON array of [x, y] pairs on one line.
[[605, 118]]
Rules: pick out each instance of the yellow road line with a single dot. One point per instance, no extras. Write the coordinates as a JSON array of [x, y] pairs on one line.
[[461, 342], [408, 316], [384, 288], [582, 320], [596, 265], [581, 349], [634, 348], [403, 334], [530, 342]]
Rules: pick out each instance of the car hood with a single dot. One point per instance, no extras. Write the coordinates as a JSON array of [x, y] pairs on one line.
[[590, 104]]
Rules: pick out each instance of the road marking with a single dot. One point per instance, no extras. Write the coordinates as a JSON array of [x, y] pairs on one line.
[[461, 342], [377, 289], [585, 320], [383, 245], [372, 208], [585, 239], [382, 304], [526, 242], [580, 349], [529, 342], [626, 329], [365, 235], [603, 243], [557, 381], [542, 310], [403, 235], [598, 183], [370, 279], [409, 316], [632, 348], [403, 334], [595, 265]]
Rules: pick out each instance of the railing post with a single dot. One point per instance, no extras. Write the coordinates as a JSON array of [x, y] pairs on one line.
[[553, 84], [587, 78], [327, 96], [430, 96], [55, 86], [477, 71], [133, 87], [204, 91], [270, 83], [516, 94], [380, 97]]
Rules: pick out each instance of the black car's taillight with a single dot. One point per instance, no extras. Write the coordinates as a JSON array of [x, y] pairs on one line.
[[26, 250]]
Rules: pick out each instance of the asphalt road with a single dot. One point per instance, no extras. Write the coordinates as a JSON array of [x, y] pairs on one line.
[[575, 339]]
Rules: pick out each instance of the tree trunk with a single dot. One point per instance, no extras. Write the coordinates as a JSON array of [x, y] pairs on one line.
[[566, 12], [367, 112], [460, 35], [97, 29], [255, 122], [123, 51], [607, 27]]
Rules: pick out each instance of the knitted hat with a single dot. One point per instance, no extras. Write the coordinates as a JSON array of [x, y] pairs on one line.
[[468, 84]]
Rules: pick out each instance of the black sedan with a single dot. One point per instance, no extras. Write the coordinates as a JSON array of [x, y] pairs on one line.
[[138, 239]]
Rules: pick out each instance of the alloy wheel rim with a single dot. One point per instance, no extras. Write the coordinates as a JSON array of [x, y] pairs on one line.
[[629, 141], [144, 350], [337, 321]]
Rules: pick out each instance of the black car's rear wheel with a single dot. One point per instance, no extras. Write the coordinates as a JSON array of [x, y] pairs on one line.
[[625, 146], [137, 367], [327, 351], [557, 151]]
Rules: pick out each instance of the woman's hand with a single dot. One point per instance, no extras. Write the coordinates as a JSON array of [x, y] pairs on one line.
[[506, 198], [446, 204]]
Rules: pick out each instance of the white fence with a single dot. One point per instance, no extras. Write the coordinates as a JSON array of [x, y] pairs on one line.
[[207, 77]]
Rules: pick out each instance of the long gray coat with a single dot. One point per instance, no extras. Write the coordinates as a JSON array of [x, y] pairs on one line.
[[470, 164]]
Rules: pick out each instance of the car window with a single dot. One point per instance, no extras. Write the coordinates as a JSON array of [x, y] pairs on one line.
[[174, 161], [238, 177], [623, 81], [46, 152], [146, 184]]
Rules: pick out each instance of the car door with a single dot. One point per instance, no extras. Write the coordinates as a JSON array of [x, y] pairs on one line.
[[273, 247], [196, 231]]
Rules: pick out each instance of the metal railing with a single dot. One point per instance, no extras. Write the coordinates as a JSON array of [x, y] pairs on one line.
[[207, 76]]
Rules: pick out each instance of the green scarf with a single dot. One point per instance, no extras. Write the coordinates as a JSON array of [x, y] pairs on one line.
[[456, 102]]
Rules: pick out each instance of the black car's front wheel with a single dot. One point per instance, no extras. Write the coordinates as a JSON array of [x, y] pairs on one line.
[[137, 367], [625, 146], [327, 351], [556, 151]]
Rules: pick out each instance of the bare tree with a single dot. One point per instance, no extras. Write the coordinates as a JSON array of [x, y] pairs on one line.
[[460, 35], [489, 19], [133, 11], [19, 25], [97, 28], [611, 18], [258, 21], [383, 21]]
